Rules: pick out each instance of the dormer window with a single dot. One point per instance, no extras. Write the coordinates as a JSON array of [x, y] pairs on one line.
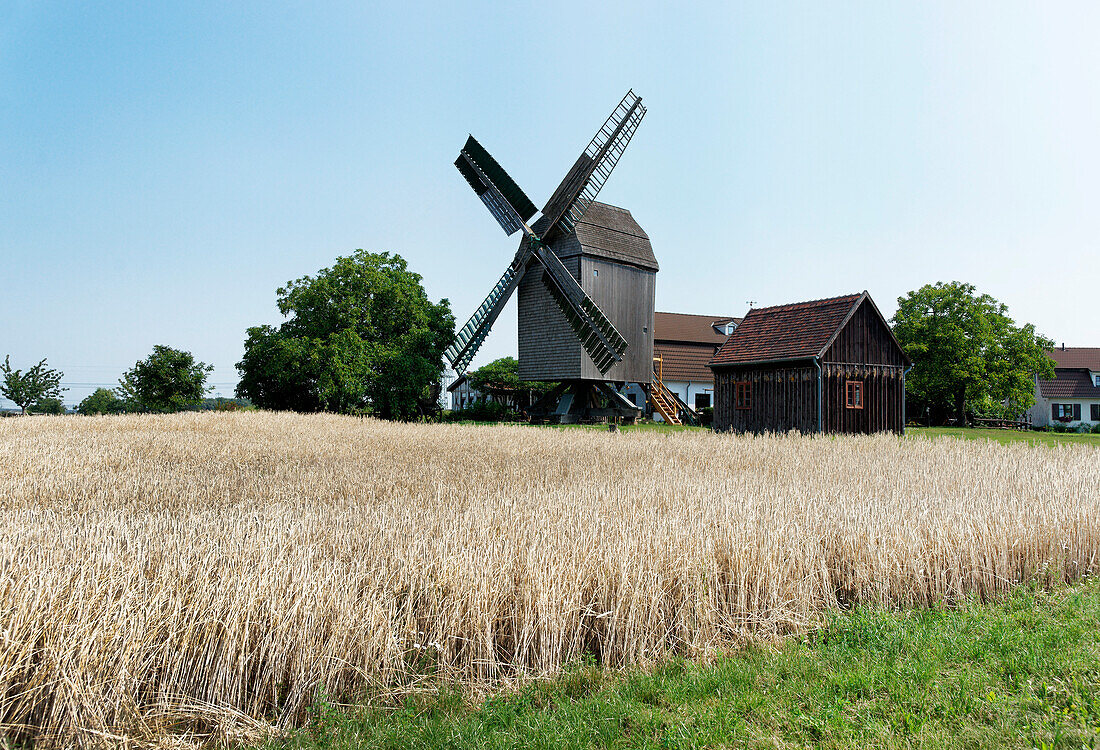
[[725, 328], [1096, 380]]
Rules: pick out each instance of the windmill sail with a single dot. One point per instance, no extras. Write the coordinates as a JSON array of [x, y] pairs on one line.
[[471, 336], [583, 182], [603, 343], [501, 195], [513, 209]]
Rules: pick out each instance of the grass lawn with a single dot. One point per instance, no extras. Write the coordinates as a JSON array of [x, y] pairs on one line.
[[1006, 436], [1024, 673]]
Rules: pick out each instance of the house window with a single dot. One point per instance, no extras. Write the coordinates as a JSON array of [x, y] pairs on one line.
[[702, 401], [1096, 380], [1065, 412], [853, 394], [1094, 412], [742, 394]]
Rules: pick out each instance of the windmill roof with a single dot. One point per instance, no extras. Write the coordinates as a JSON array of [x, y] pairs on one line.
[[801, 330], [607, 232]]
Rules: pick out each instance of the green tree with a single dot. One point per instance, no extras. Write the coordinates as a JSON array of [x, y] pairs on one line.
[[101, 401], [47, 405], [969, 357], [500, 378], [32, 386], [361, 335], [167, 380]]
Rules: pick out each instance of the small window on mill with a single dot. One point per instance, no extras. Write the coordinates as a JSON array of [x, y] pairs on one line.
[[853, 390]]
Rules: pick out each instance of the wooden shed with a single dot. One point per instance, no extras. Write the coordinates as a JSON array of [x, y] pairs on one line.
[[830, 365]]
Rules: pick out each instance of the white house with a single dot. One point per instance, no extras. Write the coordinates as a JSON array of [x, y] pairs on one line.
[[683, 346], [1072, 398]]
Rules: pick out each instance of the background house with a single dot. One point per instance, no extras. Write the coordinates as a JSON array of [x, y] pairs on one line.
[[683, 346], [463, 395], [830, 365], [1072, 398]]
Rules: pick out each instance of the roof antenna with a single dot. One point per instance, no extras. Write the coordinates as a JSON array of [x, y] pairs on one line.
[[751, 303]]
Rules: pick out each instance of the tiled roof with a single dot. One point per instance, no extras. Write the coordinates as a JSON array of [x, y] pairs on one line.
[[1069, 384], [684, 327], [685, 362], [1082, 357], [795, 331]]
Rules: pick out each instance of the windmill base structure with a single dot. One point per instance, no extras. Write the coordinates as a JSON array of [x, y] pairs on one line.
[[585, 273]]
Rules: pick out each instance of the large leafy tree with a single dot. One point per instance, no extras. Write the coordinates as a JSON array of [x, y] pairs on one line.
[[34, 386], [361, 335], [167, 380], [101, 401], [500, 378], [969, 357]]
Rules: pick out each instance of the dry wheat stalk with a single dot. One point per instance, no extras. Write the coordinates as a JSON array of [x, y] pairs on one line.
[[189, 576]]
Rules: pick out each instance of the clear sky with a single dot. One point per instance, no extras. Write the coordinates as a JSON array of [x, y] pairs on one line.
[[165, 167]]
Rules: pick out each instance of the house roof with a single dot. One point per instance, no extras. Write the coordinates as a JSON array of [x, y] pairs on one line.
[[801, 330], [685, 362], [458, 383], [698, 329], [607, 232], [1069, 383], [1082, 357]]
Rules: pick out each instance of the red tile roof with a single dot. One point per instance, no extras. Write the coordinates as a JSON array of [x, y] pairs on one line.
[[1069, 384], [684, 327], [685, 362], [1083, 357], [796, 331]]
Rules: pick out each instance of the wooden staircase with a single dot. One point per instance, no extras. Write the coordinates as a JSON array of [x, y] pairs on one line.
[[666, 403]]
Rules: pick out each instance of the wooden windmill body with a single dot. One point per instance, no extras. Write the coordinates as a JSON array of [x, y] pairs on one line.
[[586, 277], [611, 257]]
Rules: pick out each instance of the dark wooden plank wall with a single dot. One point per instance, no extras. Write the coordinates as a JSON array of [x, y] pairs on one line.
[[883, 398], [865, 340], [864, 350], [548, 348], [626, 296], [783, 399]]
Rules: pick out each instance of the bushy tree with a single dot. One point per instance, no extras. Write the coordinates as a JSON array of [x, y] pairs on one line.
[[101, 401], [30, 387], [500, 378], [969, 357], [361, 335], [47, 405], [167, 380]]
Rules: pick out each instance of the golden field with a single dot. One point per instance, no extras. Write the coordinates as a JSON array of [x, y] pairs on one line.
[[165, 579]]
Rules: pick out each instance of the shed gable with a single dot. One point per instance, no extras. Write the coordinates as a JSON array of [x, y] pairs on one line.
[[865, 338]]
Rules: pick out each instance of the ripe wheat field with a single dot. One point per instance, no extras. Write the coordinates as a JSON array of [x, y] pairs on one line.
[[169, 579]]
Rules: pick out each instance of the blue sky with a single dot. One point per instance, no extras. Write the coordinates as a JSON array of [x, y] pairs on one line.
[[165, 167]]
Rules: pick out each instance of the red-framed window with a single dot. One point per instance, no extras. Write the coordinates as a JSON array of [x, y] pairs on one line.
[[853, 394], [742, 394]]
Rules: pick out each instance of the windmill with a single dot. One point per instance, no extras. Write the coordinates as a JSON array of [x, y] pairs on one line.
[[585, 273]]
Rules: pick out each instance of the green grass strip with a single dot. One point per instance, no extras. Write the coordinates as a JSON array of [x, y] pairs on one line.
[[1024, 673]]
